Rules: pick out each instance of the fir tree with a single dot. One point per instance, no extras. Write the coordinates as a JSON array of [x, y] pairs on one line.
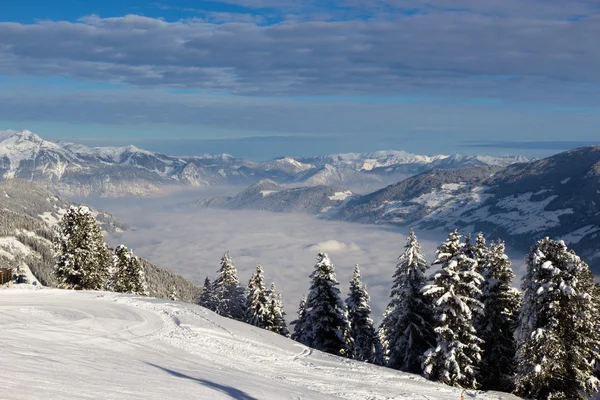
[[83, 259], [258, 302], [300, 322], [501, 303], [207, 297], [276, 315], [407, 327], [326, 322], [129, 276], [359, 317], [558, 338], [229, 294], [454, 292]]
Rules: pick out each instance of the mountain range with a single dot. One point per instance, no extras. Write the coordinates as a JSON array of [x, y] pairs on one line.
[[77, 170], [556, 197]]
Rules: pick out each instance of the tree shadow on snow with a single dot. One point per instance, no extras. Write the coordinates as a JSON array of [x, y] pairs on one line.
[[231, 391]]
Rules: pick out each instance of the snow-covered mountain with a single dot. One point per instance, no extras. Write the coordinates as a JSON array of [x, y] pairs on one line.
[[556, 197], [90, 345], [270, 196], [77, 170]]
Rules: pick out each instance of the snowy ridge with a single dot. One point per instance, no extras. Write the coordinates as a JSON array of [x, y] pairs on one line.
[[144, 348], [77, 170]]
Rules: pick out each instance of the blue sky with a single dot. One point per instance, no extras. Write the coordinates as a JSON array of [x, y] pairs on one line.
[[265, 78]]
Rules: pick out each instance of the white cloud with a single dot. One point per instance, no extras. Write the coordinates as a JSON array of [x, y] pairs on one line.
[[334, 246]]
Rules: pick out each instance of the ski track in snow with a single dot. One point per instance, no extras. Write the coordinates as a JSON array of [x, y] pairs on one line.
[[97, 345]]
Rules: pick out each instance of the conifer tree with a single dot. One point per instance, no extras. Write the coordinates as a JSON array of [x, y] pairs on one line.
[[83, 259], [229, 294], [258, 304], [501, 303], [558, 335], [299, 322], [129, 276], [362, 331], [407, 327], [276, 314], [207, 297], [454, 291], [326, 323]]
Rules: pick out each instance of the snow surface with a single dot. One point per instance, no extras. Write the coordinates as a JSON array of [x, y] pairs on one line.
[[89, 345], [341, 195]]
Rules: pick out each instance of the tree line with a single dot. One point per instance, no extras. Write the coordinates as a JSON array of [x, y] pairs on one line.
[[464, 325]]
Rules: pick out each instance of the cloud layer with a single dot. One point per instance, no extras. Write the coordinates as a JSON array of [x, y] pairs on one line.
[[191, 241], [492, 48]]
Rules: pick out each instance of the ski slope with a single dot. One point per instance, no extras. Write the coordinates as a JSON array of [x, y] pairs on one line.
[[95, 345]]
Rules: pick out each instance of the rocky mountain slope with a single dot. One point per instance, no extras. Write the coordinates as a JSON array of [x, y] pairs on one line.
[[77, 170], [270, 196], [28, 215], [558, 197]]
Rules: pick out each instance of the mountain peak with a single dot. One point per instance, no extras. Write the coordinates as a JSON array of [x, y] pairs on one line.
[[23, 134]]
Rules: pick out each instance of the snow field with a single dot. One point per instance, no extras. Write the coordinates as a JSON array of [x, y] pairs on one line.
[[89, 345]]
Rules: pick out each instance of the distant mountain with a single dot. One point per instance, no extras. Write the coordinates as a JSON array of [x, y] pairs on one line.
[[28, 216], [557, 197], [76, 170], [270, 196]]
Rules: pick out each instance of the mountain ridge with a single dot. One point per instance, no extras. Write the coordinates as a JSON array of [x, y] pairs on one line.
[[77, 170]]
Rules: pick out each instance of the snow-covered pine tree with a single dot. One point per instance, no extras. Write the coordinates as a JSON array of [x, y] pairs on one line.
[[229, 294], [258, 302], [496, 327], [129, 276], [83, 259], [207, 297], [277, 322], [407, 326], [454, 292], [326, 325], [362, 331], [300, 322], [558, 336]]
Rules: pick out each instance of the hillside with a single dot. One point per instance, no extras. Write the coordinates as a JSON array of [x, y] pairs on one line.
[[270, 196], [77, 170], [104, 345], [28, 215]]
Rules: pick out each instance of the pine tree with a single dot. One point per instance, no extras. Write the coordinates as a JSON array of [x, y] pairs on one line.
[[454, 291], [362, 331], [558, 338], [300, 322], [407, 327], [207, 297], [129, 276], [258, 302], [276, 314], [229, 294], [478, 251], [326, 322], [501, 303], [83, 259]]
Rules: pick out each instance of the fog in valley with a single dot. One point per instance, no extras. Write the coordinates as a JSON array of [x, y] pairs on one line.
[[171, 231]]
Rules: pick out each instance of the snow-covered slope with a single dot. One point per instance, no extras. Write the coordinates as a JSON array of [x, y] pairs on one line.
[[78, 170], [270, 196], [556, 197], [28, 214], [94, 345]]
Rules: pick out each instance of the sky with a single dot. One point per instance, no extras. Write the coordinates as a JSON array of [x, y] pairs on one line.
[[267, 78]]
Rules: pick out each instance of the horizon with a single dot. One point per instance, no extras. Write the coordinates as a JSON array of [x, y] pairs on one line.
[[531, 150], [268, 78]]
